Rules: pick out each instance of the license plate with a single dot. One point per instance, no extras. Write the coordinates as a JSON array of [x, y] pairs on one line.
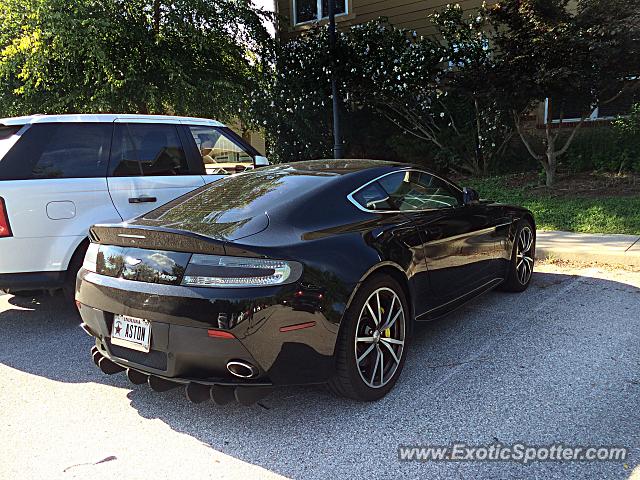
[[131, 332]]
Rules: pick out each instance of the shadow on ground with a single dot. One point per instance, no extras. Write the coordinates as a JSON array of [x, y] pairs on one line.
[[557, 363]]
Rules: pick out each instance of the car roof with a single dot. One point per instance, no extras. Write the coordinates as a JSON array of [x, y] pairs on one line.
[[355, 168], [357, 172], [332, 166], [107, 118]]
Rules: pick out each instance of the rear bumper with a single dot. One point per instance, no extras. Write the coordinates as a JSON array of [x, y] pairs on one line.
[[181, 348], [193, 356], [31, 280]]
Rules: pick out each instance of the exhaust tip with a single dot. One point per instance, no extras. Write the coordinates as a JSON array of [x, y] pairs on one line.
[[241, 369]]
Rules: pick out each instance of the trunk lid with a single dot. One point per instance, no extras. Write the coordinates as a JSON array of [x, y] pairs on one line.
[[152, 255]]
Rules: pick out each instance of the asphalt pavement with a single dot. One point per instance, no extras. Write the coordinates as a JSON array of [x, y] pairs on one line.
[[559, 363]]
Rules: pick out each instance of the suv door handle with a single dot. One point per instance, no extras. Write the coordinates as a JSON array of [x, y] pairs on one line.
[[143, 200]]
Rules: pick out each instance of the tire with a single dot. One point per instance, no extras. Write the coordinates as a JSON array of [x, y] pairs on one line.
[[520, 269], [69, 287], [364, 380]]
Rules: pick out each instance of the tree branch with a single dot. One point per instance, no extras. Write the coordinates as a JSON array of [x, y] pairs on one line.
[[564, 149], [627, 88], [532, 152], [409, 129], [453, 123]]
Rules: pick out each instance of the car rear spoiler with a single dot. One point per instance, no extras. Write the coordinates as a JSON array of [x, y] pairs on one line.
[[156, 238]]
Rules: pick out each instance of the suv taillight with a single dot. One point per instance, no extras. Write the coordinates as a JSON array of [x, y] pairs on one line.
[[5, 228]]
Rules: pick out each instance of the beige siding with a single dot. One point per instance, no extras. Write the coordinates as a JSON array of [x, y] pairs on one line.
[[409, 14], [255, 139]]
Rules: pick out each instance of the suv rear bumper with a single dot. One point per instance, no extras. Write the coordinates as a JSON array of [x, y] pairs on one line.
[[31, 280]]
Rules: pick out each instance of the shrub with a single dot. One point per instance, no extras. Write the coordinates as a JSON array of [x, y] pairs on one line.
[[604, 148]]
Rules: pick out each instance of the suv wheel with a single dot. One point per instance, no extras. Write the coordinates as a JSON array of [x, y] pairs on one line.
[[75, 264]]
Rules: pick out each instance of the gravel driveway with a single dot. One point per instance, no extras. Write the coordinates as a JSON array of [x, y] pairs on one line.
[[560, 363]]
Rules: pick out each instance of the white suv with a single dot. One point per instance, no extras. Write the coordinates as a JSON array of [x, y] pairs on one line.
[[61, 174]]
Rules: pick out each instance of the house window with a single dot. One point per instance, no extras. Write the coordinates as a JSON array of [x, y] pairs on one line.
[[572, 110], [314, 10]]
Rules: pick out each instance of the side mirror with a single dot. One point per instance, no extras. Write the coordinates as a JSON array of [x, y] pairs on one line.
[[261, 161], [470, 196]]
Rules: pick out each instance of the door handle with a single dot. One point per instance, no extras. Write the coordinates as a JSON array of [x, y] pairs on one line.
[[143, 200]]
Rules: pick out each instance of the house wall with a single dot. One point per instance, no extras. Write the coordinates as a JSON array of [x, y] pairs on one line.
[[409, 14]]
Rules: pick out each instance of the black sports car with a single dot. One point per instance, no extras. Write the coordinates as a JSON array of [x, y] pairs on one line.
[[313, 272]]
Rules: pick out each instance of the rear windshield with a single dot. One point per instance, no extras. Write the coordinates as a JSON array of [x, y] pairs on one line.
[[239, 197]]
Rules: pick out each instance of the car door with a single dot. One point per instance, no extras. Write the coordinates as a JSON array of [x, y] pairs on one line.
[[219, 151], [459, 241], [148, 167]]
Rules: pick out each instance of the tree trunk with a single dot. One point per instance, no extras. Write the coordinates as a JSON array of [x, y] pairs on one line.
[[156, 16], [549, 159], [550, 169], [480, 160], [551, 165]]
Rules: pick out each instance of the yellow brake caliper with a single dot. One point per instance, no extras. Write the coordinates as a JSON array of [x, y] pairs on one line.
[[387, 331]]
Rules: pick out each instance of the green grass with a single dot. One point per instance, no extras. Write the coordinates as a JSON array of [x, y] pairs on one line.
[[585, 215]]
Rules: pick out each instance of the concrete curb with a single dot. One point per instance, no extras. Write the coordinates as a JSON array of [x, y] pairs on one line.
[[589, 248]]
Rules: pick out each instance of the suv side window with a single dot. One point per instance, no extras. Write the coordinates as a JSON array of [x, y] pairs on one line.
[[221, 154], [60, 150], [147, 150]]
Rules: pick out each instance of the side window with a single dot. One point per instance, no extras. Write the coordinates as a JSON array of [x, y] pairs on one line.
[[406, 191], [373, 197], [221, 155], [61, 150], [414, 190], [436, 192], [147, 149], [7, 140]]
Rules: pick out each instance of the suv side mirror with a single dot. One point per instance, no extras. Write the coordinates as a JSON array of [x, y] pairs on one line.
[[470, 196], [261, 161]]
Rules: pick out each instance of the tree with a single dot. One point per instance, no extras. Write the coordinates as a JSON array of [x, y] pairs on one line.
[[471, 78], [629, 125], [545, 50], [191, 57], [294, 105], [433, 91], [403, 79]]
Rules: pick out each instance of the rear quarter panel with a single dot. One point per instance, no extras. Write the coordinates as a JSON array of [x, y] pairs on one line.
[[49, 219]]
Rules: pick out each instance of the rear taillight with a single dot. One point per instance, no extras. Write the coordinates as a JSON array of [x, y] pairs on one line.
[[5, 228], [232, 272]]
